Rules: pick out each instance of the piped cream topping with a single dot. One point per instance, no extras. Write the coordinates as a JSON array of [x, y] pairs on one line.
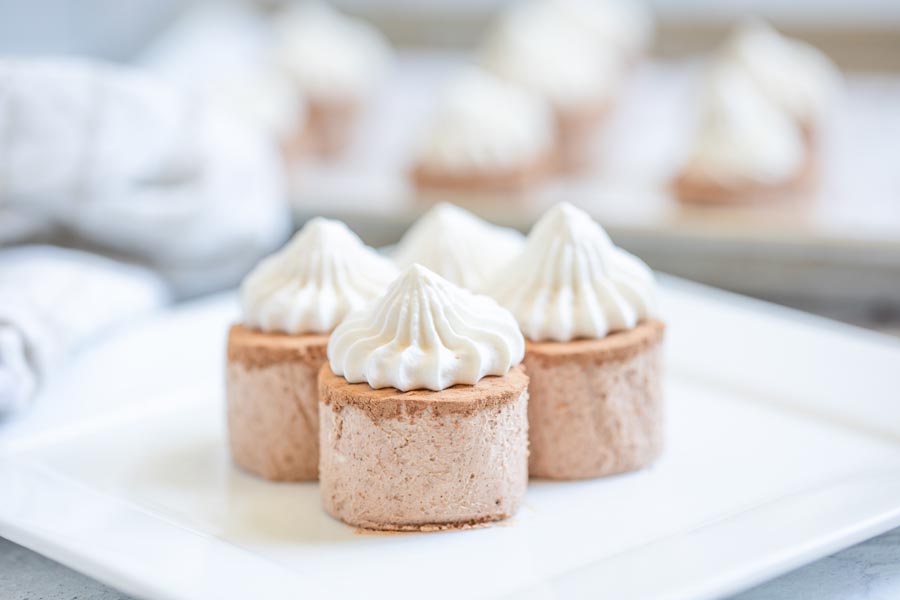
[[425, 333], [330, 56], [311, 284], [537, 47], [795, 76], [458, 246], [743, 138], [572, 282], [485, 124]]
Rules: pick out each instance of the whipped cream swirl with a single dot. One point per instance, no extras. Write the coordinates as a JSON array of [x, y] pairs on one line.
[[794, 75], [458, 246], [537, 47], [311, 284], [425, 333], [331, 57], [743, 138], [485, 124], [571, 282]]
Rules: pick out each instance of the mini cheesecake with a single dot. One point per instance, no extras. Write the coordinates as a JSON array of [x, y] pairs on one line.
[[337, 63], [746, 149], [290, 303], [423, 460], [486, 135], [764, 102], [423, 419], [273, 412], [597, 405], [593, 349], [546, 49]]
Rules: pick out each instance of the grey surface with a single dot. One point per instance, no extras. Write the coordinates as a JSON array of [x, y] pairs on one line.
[[25, 575], [867, 571]]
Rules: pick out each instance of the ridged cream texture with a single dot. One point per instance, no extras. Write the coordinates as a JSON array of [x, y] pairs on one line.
[[571, 282], [537, 47], [425, 333], [331, 57], [311, 284], [458, 246], [484, 125], [795, 76], [743, 138]]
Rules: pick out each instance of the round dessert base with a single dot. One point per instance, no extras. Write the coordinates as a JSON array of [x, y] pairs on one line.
[[577, 129], [426, 527], [422, 460], [273, 402], [690, 189], [596, 406], [508, 181], [329, 127]]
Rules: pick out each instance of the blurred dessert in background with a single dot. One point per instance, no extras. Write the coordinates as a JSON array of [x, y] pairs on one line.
[[764, 103], [268, 101], [291, 301], [745, 148], [337, 63], [552, 49], [593, 349], [423, 410], [797, 77], [485, 135], [458, 246]]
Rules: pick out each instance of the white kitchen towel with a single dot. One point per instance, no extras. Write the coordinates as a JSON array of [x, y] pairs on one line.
[[128, 164], [54, 300]]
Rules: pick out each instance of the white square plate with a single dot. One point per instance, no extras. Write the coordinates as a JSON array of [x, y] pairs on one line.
[[784, 445]]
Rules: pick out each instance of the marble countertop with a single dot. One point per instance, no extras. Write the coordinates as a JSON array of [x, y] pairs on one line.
[[867, 571]]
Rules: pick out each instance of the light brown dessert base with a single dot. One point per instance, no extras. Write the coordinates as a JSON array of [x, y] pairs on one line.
[[596, 406], [511, 180], [273, 402], [422, 460], [576, 131], [690, 189], [329, 127]]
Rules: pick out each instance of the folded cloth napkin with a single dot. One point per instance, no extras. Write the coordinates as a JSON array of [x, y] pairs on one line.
[[113, 160], [53, 300], [126, 163]]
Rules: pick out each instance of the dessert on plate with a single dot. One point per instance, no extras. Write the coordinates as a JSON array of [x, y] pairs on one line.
[[534, 45], [423, 410], [291, 301], [486, 134], [745, 148], [337, 63], [458, 246], [593, 349]]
